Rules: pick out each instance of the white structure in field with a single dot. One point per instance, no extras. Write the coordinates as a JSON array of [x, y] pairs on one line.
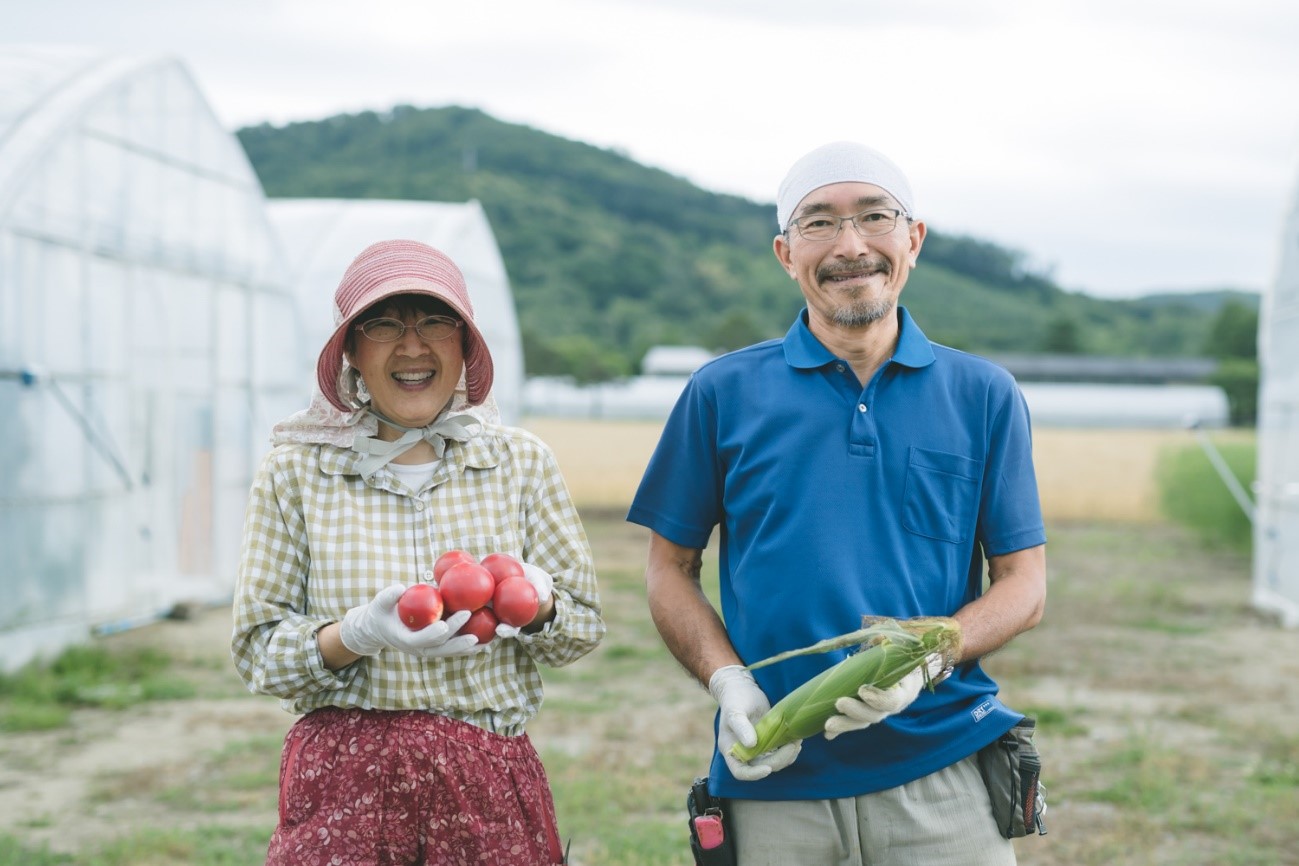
[[147, 344], [665, 370], [674, 360], [322, 236], [1276, 492]]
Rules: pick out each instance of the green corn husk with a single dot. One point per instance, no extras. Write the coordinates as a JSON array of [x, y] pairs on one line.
[[890, 650]]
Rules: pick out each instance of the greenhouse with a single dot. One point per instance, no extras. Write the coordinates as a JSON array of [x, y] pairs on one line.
[[1276, 492], [147, 343], [322, 236]]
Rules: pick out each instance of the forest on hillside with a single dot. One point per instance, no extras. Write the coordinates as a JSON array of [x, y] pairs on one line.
[[608, 257]]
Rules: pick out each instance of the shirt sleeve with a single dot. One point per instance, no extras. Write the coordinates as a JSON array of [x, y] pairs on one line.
[[1010, 515], [680, 495], [274, 641], [556, 542]]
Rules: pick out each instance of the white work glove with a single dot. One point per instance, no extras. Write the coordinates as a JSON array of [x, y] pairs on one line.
[[742, 703], [371, 628], [543, 583], [874, 705]]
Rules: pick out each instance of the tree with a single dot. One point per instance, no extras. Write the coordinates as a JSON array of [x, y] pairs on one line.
[[735, 331], [625, 257], [1234, 333], [1062, 337], [1238, 378], [1233, 339], [587, 361]]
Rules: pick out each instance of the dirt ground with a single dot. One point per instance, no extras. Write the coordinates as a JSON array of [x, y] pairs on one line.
[[1160, 694], [71, 787]]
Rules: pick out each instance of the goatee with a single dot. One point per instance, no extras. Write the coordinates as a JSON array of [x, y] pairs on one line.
[[861, 314]]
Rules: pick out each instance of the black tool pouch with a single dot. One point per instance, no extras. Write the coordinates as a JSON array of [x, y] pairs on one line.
[[711, 841], [1012, 771]]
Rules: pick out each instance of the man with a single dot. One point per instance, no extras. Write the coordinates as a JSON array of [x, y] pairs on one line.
[[853, 468]]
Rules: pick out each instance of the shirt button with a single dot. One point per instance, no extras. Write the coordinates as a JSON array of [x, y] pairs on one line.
[[419, 505], [839, 367], [428, 577], [861, 407]]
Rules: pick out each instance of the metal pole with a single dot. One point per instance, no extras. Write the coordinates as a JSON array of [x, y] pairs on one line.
[[1224, 471]]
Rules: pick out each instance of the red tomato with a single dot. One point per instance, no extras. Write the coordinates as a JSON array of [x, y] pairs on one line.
[[420, 605], [482, 625], [515, 601], [448, 559], [502, 565], [466, 586]]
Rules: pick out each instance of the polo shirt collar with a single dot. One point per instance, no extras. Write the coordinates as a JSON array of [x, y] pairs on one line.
[[914, 349], [805, 351]]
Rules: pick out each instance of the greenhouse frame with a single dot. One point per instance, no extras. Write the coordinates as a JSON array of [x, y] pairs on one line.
[[1276, 490], [147, 344]]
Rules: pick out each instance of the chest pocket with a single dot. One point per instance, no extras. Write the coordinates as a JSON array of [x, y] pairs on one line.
[[941, 496]]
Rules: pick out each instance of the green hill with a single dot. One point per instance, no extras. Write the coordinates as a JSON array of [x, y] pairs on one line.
[[608, 257]]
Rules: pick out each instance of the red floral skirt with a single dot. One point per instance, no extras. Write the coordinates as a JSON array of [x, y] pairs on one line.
[[381, 788]]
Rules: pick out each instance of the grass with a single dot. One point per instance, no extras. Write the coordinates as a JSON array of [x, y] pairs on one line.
[[203, 846], [1160, 700], [1159, 697], [243, 774], [620, 798], [41, 696], [1192, 493]]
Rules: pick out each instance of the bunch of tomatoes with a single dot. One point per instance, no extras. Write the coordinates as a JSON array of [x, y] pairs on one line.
[[493, 590]]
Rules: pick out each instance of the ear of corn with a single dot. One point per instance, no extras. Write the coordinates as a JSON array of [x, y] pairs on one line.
[[890, 650]]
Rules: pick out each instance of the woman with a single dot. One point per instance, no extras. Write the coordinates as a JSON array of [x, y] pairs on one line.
[[411, 748]]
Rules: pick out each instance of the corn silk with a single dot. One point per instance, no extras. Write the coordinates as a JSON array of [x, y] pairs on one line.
[[889, 650]]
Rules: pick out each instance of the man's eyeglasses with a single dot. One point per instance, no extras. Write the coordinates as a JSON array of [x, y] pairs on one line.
[[826, 227], [431, 328]]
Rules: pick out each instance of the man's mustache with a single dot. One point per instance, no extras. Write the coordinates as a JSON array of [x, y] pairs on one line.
[[854, 269]]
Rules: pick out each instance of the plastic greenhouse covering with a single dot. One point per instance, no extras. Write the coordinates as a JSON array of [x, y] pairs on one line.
[[1276, 492], [322, 236], [147, 344]]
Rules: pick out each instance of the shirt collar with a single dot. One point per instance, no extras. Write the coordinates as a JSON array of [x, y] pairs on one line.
[[480, 452], [805, 351]]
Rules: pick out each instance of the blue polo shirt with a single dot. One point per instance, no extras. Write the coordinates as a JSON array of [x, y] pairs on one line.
[[835, 501]]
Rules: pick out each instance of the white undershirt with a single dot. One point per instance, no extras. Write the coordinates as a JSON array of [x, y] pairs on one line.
[[413, 475]]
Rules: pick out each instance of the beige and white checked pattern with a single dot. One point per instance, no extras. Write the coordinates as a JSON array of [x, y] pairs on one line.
[[318, 540]]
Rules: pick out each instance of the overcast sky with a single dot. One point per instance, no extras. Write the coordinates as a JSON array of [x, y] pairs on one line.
[[1123, 146]]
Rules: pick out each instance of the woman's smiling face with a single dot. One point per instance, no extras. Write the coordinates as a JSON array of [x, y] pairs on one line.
[[411, 380]]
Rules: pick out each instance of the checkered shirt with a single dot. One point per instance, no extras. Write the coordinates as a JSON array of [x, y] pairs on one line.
[[319, 540]]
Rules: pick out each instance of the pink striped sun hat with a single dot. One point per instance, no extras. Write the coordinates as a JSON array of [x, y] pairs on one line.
[[401, 267]]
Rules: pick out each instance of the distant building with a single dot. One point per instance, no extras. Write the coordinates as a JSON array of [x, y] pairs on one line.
[[322, 236], [1104, 369], [674, 360], [1099, 404], [1276, 491], [1104, 391], [147, 344], [1061, 391]]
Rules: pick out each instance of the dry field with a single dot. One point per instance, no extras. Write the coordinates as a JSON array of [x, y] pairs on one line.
[[1083, 474], [1166, 707]]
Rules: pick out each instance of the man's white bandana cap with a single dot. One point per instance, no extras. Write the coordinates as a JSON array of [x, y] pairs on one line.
[[840, 162]]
